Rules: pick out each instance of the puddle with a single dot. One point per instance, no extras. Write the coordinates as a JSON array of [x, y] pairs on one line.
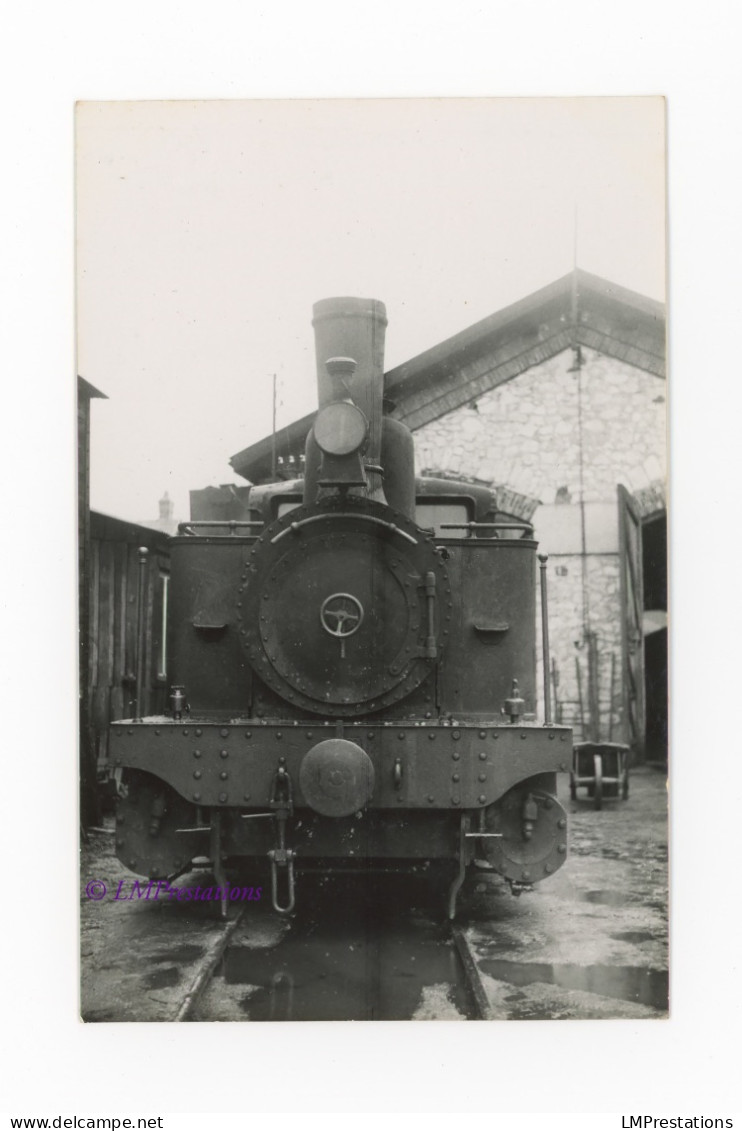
[[627, 983], [605, 898], [634, 936], [159, 979], [361, 976], [185, 953], [354, 957]]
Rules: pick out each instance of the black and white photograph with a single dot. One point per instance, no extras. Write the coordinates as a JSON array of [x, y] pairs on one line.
[[373, 559], [330, 332]]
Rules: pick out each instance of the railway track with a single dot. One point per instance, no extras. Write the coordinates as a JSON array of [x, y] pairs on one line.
[[347, 954], [471, 973], [206, 970], [590, 946]]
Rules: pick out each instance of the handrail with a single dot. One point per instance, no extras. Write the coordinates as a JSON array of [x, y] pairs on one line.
[[188, 527], [485, 526], [294, 527], [526, 527]]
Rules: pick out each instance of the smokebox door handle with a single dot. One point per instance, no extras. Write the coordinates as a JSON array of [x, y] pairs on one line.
[[491, 633]]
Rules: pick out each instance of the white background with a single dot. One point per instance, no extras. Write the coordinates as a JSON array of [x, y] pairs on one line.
[[52, 56]]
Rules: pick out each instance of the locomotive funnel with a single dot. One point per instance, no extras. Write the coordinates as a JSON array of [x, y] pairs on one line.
[[350, 328]]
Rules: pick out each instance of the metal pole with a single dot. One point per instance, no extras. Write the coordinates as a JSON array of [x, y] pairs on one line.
[[579, 695], [593, 686], [610, 704], [274, 462], [543, 559], [555, 684], [141, 629]]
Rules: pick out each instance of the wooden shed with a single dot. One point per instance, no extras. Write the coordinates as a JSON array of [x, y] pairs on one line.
[[109, 688]]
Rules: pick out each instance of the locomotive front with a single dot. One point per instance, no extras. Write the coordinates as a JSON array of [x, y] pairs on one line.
[[354, 676]]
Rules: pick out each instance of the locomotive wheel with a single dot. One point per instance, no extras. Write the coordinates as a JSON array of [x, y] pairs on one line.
[[598, 790]]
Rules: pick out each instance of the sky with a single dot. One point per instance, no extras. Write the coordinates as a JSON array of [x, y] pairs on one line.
[[206, 231]]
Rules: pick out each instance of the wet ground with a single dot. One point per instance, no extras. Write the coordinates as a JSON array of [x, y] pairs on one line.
[[138, 957], [592, 943], [589, 943], [377, 950]]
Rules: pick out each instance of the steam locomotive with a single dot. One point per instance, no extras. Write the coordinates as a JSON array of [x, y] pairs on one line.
[[354, 667]]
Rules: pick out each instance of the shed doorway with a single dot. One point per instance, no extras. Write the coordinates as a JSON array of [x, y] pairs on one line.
[[643, 571], [654, 570]]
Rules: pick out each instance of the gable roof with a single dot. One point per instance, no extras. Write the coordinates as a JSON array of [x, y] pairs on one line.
[[87, 391], [578, 309]]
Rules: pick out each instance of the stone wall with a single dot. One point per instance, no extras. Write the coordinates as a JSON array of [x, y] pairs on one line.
[[566, 639], [524, 433]]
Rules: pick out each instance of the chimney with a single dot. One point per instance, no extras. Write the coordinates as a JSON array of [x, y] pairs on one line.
[[351, 328], [166, 509]]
